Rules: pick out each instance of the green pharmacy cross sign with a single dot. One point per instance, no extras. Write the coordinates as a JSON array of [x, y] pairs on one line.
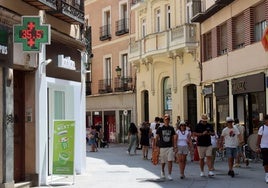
[[31, 33]]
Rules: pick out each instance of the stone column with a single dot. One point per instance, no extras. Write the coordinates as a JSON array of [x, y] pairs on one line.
[[8, 128]]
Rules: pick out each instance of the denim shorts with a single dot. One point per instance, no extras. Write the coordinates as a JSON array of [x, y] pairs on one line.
[[231, 152], [239, 149]]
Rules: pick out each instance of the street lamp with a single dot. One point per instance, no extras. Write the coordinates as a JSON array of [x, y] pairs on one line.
[[118, 71]]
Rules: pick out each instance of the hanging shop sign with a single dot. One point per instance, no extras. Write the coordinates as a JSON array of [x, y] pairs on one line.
[[66, 62], [31, 33]]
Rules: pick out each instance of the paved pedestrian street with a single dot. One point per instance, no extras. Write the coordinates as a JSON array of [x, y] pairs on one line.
[[113, 167]]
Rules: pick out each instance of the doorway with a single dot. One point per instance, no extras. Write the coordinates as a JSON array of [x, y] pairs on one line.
[[192, 104], [249, 109], [145, 105], [19, 119]]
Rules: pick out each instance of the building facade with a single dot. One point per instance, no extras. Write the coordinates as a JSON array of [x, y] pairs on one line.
[[36, 93], [111, 82], [165, 54], [234, 62]]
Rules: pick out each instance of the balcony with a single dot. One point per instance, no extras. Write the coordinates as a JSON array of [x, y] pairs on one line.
[[105, 86], [47, 5], [66, 10], [180, 38], [122, 27], [105, 32], [135, 4], [203, 14], [123, 84]]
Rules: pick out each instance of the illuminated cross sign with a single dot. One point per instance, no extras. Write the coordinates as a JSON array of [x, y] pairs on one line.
[[31, 33]]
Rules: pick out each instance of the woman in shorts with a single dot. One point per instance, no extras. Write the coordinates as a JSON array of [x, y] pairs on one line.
[[183, 140]]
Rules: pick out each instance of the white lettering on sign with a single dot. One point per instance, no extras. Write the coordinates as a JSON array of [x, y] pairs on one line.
[[66, 62], [3, 49]]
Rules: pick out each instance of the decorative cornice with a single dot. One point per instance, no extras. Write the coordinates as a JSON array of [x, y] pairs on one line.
[[136, 65]]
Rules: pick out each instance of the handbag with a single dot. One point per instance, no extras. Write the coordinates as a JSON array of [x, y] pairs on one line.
[[155, 156]]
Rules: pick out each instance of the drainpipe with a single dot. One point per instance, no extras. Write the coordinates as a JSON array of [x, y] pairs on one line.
[[200, 69]]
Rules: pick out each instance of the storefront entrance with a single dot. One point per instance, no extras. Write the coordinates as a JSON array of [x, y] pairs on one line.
[[250, 109], [249, 101], [19, 132]]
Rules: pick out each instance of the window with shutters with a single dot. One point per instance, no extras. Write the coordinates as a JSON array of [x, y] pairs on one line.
[[207, 46], [223, 39], [239, 32], [259, 22]]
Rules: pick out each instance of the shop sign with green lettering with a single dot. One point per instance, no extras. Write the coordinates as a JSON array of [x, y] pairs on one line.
[[31, 33]]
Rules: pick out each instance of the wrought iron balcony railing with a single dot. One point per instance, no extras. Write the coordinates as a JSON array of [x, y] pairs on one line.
[[122, 27], [73, 11], [105, 32], [48, 5], [67, 10], [123, 84], [201, 12], [105, 86]]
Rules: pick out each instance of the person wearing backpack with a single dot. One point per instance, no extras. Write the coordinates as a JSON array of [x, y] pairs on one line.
[[262, 145]]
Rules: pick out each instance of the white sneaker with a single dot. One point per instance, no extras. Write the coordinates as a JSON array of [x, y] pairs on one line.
[[163, 175], [169, 177], [266, 178], [210, 173], [202, 174]]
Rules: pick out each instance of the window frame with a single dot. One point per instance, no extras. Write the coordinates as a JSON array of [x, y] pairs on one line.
[[223, 39], [157, 20], [208, 46], [108, 70], [168, 17], [260, 22], [239, 32], [143, 27]]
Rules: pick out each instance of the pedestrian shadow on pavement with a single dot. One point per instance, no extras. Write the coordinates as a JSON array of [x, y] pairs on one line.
[[150, 179]]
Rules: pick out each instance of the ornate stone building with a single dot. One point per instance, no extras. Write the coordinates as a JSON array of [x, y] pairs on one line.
[[165, 54]]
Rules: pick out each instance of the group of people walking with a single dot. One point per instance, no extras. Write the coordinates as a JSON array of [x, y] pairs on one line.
[[175, 144], [95, 138]]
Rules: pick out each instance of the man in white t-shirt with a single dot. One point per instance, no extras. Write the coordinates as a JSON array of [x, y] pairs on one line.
[[152, 127], [262, 145], [231, 137]]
